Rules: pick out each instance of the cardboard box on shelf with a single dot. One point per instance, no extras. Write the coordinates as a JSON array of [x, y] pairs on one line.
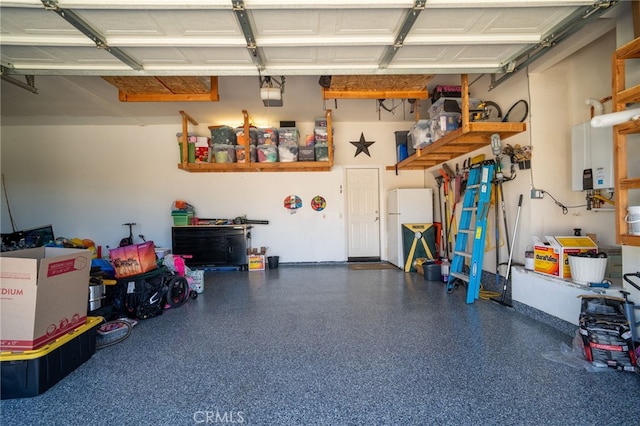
[[44, 295], [552, 257]]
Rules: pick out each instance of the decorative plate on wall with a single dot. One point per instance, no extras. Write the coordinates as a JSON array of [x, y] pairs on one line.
[[318, 203], [292, 202]]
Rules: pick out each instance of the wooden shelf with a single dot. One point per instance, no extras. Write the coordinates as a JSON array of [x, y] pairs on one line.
[[294, 166], [469, 137], [621, 97], [250, 166]]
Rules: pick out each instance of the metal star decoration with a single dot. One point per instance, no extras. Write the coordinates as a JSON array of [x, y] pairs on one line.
[[362, 145]]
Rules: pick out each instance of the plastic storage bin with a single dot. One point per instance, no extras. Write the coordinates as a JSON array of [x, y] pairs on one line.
[[450, 105], [306, 153], [181, 218], [224, 153], [288, 153], [241, 154], [321, 134], [267, 153], [31, 373], [268, 136], [253, 135], [321, 122], [444, 123], [421, 134], [223, 135], [288, 135], [322, 151]]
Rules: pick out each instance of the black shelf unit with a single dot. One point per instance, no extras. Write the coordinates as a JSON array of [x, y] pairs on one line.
[[211, 245]]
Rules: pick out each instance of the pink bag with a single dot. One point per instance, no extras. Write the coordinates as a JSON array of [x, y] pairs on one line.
[[134, 259]]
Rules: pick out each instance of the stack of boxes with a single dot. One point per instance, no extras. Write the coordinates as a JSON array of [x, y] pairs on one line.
[[241, 152], [421, 134], [192, 138], [198, 148], [183, 214], [46, 333], [445, 116], [267, 149], [321, 140], [257, 258], [551, 257], [223, 144], [266, 145], [288, 144]]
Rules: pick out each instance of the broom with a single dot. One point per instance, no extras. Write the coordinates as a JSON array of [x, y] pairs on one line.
[[508, 274]]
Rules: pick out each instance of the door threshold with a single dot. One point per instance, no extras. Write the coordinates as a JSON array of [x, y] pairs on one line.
[[363, 259]]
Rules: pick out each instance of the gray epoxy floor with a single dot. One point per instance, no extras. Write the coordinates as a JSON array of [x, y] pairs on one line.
[[326, 345]]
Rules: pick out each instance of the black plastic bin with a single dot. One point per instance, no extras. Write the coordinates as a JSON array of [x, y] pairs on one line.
[[273, 261], [31, 373]]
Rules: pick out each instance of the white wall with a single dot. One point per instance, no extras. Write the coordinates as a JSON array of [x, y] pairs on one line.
[[557, 102], [88, 180]]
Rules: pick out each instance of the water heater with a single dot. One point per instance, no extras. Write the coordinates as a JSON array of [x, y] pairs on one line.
[[591, 157]]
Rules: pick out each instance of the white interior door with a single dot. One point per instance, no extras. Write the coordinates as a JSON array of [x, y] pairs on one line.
[[363, 214]]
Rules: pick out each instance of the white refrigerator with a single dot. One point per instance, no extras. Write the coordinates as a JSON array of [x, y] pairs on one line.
[[405, 205]]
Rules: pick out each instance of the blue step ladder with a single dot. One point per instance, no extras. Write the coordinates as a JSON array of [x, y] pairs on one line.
[[472, 230]]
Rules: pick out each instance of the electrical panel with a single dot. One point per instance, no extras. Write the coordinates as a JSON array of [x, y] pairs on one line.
[[591, 157]]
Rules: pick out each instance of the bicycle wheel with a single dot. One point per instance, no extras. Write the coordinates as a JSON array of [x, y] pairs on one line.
[[178, 292]]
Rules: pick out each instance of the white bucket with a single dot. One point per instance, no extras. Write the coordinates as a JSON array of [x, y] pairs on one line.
[[633, 219], [586, 270]]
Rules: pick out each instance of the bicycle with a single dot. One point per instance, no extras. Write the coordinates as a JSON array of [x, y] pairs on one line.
[[180, 267]]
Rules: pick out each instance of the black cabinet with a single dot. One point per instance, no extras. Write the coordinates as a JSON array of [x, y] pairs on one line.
[[211, 245]]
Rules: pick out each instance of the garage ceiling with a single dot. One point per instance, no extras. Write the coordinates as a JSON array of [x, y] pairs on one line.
[[280, 37], [78, 45]]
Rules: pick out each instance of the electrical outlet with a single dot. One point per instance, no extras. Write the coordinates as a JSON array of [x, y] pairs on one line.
[[536, 194]]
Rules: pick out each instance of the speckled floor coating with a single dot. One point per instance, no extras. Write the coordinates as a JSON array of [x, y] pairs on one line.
[[326, 345]]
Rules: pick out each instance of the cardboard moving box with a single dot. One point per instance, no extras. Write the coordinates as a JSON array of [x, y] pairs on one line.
[[256, 262], [552, 257], [44, 294]]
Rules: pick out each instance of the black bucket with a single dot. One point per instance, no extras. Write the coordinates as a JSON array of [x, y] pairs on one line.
[[432, 271], [273, 261]]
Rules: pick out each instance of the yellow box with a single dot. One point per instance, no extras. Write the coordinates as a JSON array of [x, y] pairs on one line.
[[256, 262], [552, 257]]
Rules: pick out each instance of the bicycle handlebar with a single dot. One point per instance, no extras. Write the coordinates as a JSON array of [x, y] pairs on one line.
[[632, 274]]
